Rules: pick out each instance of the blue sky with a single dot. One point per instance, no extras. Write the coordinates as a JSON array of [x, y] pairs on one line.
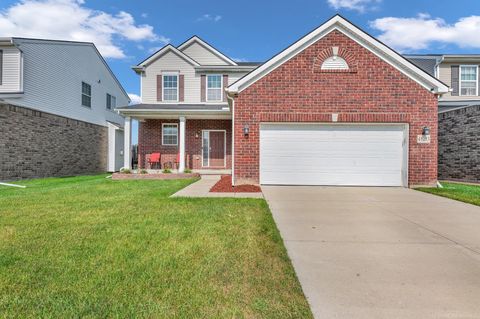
[[126, 32]]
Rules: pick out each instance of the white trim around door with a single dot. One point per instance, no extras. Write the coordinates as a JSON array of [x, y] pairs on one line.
[[208, 148]]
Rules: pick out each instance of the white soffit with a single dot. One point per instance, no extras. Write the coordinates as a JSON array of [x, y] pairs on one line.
[[342, 25]]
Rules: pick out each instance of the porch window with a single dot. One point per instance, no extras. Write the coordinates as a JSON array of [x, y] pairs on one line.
[[214, 87], [170, 134], [86, 94], [468, 79], [170, 87]]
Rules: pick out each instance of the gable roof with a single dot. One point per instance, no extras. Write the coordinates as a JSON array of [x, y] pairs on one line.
[[339, 23], [165, 49], [207, 46]]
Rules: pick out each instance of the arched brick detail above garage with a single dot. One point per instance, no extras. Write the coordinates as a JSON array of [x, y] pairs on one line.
[[332, 52]]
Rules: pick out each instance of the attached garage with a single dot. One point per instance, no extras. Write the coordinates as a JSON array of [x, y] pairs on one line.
[[334, 154]]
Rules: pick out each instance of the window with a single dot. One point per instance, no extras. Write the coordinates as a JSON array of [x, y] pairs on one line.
[[170, 87], [86, 94], [1, 66], [111, 102], [214, 88], [468, 79], [169, 134]]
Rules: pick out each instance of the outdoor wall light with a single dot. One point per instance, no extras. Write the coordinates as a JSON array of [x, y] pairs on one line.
[[246, 130], [426, 131]]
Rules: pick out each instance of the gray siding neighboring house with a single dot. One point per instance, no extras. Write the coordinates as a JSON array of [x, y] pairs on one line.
[[46, 128]]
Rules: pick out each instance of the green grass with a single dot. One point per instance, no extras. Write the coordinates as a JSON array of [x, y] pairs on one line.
[[462, 192], [92, 247]]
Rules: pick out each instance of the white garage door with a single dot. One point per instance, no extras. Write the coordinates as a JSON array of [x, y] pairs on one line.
[[336, 154]]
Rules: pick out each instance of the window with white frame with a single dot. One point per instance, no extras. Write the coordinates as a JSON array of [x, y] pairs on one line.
[[170, 87], [468, 79], [111, 101], [214, 87], [169, 134], [86, 94]]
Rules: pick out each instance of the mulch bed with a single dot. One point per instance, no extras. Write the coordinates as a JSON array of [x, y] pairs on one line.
[[224, 185], [121, 176]]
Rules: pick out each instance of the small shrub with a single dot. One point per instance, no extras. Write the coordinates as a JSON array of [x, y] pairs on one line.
[[167, 170], [143, 171], [125, 171], [187, 171]]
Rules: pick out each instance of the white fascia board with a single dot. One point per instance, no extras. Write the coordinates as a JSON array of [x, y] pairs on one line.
[[162, 51], [338, 23], [208, 47]]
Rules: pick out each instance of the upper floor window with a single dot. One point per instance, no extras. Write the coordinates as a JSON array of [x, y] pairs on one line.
[[86, 94], [111, 101], [468, 79], [214, 87], [170, 87]]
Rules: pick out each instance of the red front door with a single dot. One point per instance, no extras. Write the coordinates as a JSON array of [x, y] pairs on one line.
[[217, 149]]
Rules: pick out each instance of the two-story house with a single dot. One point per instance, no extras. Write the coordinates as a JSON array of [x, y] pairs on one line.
[[459, 114], [57, 110], [337, 107]]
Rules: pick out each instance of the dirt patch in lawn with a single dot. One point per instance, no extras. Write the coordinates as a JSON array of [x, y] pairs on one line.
[[224, 185]]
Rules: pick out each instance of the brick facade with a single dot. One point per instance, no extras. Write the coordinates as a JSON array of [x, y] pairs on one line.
[[459, 145], [150, 141], [372, 91], [37, 144]]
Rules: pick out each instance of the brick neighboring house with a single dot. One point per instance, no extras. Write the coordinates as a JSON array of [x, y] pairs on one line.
[[337, 107], [57, 117], [459, 114]]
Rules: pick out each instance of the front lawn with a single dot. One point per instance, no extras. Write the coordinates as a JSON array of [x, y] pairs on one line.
[[462, 192], [92, 247]]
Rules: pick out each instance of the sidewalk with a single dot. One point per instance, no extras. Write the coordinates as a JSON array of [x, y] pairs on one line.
[[203, 186]]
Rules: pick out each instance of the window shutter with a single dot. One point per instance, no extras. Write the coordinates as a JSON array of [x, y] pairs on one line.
[[159, 87], [181, 88], [1, 66], [225, 84], [203, 87], [455, 79]]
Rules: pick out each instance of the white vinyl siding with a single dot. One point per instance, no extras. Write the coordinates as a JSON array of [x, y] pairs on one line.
[[170, 62], [11, 70], [333, 154], [66, 65], [468, 80], [169, 134], [202, 55], [214, 88]]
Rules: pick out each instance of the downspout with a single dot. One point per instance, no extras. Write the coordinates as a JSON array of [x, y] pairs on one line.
[[233, 135]]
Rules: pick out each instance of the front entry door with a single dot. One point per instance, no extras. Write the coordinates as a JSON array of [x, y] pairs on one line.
[[213, 148]]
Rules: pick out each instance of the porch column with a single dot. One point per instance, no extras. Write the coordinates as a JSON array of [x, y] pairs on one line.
[[127, 146], [181, 166]]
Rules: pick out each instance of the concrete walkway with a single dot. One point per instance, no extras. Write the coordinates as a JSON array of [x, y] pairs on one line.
[[381, 252], [203, 186]]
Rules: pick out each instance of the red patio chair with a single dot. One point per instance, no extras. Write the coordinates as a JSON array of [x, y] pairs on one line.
[[154, 159]]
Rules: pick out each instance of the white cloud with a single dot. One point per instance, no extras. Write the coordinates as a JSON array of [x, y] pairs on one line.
[[71, 20], [358, 5], [210, 17], [135, 99], [422, 31]]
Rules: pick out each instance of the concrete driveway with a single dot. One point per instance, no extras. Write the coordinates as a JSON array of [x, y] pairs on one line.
[[381, 252]]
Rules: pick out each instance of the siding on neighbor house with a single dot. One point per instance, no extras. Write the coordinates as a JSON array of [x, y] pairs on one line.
[[37, 144], [172, 62], [202, 55], [459, 145], [372, 91], [11, 70], [445, 70], [53, 75]]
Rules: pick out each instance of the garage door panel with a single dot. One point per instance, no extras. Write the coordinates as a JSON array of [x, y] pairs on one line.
[[299, 154]]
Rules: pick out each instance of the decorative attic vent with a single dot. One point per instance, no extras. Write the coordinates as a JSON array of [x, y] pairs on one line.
[[334, 62]]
